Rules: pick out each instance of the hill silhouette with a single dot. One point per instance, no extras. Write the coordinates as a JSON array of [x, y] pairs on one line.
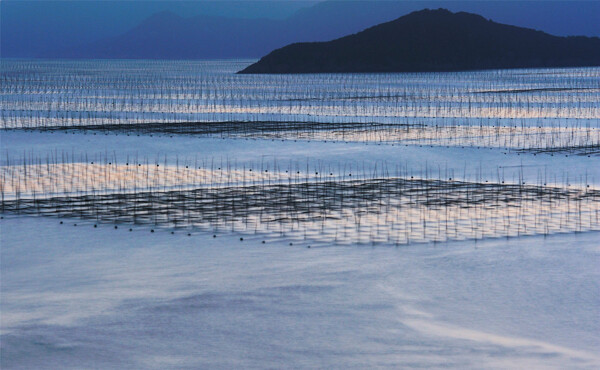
[[433, 40]]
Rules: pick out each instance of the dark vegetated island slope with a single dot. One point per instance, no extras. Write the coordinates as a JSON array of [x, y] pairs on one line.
[[433, 40]]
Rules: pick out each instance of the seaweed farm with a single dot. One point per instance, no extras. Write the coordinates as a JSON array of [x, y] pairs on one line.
[[175, 214], [518, 111], [383, 205], [537, 110], [375, 210]]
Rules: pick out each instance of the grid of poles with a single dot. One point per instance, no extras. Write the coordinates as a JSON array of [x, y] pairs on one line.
[[390, 205], [515, 109]]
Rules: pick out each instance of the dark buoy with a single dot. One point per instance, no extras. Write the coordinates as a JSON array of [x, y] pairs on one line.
[[151, 230]]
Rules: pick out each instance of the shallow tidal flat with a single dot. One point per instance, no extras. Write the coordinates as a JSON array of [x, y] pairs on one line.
[[452, 218]]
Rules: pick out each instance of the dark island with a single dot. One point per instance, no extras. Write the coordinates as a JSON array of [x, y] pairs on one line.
[[433, 40]]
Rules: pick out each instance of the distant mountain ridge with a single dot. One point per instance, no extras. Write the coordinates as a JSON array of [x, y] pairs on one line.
[[433, 40], [166, 35], [124, 29]]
